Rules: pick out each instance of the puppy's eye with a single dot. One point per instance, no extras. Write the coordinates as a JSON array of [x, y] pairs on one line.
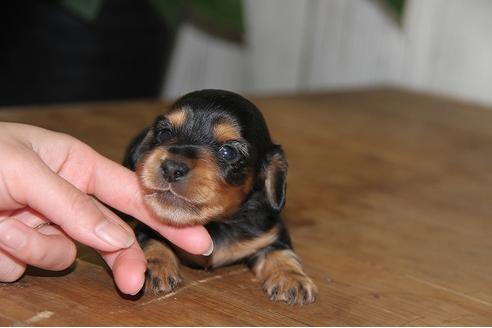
[[163, 135], [228, 153]]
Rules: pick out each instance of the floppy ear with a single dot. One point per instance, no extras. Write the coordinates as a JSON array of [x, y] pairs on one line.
[[275, 173], [137, 147]]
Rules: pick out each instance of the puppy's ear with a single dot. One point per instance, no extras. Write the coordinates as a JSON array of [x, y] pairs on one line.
[[137, 147], [275, 173]]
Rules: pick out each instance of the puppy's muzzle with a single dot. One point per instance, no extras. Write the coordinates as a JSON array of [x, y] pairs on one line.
[[174, 171]]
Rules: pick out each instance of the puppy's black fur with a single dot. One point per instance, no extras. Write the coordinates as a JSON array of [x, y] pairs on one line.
[[211, 161]]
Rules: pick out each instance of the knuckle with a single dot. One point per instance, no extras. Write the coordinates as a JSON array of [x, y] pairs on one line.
[[82, 209], [69, 257], [37, 255], [81, 202], [55, 255]]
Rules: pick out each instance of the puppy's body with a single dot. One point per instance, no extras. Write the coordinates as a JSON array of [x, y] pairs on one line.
[[211, 161]]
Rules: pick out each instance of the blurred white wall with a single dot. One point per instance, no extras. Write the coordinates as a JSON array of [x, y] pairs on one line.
[[444, 46]]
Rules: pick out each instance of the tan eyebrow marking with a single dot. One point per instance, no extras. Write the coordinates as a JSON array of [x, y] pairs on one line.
[[225, 131], [178, 117]]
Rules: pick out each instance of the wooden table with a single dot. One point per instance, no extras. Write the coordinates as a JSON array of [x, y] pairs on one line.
[[389, 206]]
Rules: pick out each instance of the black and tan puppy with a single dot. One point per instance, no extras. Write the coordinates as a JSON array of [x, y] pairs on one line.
[[211, 161]]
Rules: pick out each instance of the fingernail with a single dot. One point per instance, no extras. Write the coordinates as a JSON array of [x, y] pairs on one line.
[[10, 236], [114, 234], [210, 249]]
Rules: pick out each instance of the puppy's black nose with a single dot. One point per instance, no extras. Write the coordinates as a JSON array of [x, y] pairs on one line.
[[173, 171]]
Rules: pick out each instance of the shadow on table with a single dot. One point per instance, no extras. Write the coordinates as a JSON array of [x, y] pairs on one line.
[[37, 272]]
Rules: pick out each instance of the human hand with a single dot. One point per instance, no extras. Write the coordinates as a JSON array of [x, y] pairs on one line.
[[49, 177]]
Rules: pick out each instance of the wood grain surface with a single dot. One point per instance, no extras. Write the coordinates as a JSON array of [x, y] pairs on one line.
[[389, 207]]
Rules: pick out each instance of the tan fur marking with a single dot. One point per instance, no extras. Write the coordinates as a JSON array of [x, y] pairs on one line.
[[277, 163], [226, 131], [149, 169], [203, 195], [177, 117], [158, 250], [283, 278], [238, 249], [162, 268]]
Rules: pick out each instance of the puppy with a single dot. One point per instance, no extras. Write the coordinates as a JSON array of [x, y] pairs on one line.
[[210, 161]]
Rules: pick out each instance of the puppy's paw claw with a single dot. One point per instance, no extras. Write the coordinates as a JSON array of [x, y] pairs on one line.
[[162, 279], [294, 288]]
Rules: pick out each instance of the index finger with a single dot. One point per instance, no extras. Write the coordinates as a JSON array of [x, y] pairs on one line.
[[118, 187]]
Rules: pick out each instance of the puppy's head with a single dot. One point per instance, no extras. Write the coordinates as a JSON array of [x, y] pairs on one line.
[[201, 161]]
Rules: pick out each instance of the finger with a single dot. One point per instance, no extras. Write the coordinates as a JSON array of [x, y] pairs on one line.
[[35, 220], [11, 269], [128, 266], [51, 252], [28, 216], [78, 214], [194, 240], [119, 188]]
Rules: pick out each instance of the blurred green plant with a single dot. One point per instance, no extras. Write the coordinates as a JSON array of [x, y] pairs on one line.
[[396, 8], [223, 18]]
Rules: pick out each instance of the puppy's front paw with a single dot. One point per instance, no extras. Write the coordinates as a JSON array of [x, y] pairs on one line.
[[162, 276], [283, 278], [290, 286], [162, 268]]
